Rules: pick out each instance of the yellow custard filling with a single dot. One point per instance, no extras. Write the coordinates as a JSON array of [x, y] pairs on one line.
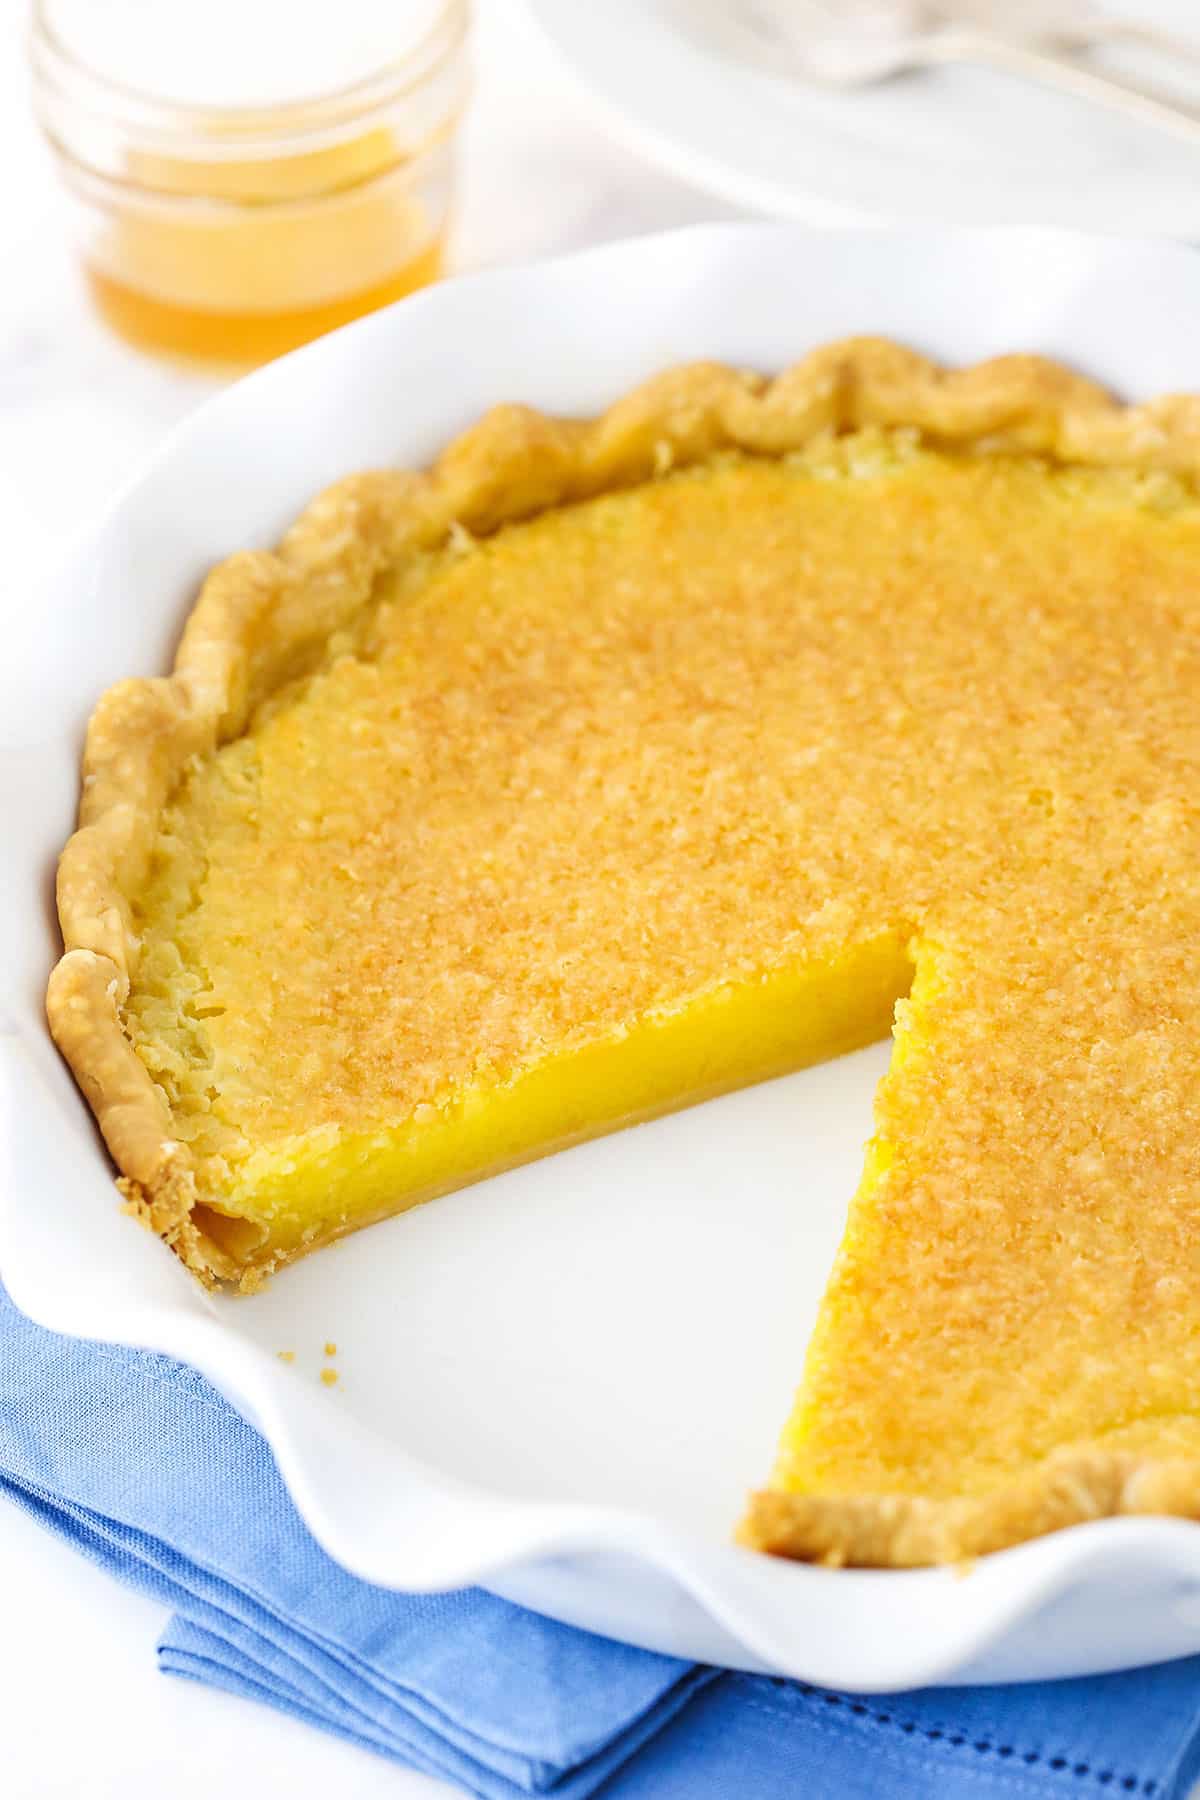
[[669, 790]]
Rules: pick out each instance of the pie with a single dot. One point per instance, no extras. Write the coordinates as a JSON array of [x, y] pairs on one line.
[[612, 764]]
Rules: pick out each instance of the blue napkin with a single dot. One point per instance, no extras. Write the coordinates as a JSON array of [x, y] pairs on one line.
[[140, 1464]]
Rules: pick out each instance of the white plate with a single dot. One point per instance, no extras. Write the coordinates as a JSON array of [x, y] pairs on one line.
[[554, 1382], [701, 86]]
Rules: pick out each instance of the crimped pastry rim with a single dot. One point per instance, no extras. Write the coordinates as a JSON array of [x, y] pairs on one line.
[[259, 611]]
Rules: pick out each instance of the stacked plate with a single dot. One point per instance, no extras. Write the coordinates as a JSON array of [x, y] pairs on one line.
[[716, 91]]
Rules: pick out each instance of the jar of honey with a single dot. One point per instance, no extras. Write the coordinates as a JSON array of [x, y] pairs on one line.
[[247, 174]]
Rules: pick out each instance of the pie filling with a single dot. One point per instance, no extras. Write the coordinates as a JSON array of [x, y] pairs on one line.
[[672, 789]]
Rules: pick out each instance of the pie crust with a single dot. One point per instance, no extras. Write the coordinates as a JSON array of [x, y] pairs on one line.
[[262, 617]]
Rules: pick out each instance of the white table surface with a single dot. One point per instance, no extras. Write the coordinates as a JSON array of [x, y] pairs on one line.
[[84, 1713]]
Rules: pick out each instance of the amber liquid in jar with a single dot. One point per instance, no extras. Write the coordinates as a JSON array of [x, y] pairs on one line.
[[234, 234], [250, 336]]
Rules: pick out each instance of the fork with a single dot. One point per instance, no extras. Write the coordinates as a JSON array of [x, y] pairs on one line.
[[866, 41]]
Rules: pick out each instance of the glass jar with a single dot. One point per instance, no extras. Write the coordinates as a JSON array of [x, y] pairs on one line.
[[255, 172]]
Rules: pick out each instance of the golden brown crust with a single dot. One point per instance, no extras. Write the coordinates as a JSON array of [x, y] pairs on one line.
[[263, 617], [900, 1532]]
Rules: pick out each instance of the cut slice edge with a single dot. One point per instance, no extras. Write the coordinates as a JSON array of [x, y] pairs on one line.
[[291, 1196]]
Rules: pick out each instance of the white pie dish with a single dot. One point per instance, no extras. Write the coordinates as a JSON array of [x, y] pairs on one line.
[[554, 1382]]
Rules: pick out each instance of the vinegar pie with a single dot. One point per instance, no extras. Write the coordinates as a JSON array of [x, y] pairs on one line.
[[615, 763]]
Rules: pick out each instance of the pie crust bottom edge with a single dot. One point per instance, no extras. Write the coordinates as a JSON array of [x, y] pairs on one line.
[[1071, 1487]]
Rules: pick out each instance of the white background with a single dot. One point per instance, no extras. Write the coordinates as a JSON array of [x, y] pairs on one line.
[[83, 1712]]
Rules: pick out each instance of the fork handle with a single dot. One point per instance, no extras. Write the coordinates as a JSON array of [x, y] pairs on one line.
[[1108, 30], [1062, 71]]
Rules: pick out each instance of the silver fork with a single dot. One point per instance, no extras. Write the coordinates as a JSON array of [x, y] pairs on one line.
[[855, 43]]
